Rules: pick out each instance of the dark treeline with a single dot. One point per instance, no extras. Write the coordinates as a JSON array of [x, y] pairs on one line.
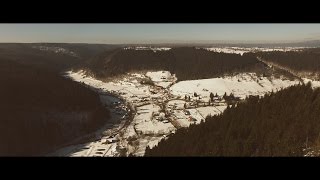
[[186, 62], [26, 54], [279, 124], [306, 60], [41, 110], [84, 51]]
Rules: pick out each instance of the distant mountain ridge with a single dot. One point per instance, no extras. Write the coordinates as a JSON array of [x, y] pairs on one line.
[[310, 43], [93, 46]]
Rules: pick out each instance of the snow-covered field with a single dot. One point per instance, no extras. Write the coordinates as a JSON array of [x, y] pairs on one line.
[[198, 114], [242, 50], [211, 110], [146, 124], [240, 85]]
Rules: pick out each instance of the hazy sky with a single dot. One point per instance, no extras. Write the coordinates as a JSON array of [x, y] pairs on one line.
[[158, 33]]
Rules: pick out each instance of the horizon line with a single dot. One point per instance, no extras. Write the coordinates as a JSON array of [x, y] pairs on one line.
[[171, 43]]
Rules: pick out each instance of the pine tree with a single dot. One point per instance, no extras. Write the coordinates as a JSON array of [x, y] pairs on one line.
[[231, 96], [211, 96], [225, 95]]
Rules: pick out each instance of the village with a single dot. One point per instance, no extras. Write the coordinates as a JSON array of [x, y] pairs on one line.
[[158, 113], [147, 107], [145, 111]]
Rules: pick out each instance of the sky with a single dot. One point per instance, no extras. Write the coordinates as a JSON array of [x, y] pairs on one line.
[[158, 33]]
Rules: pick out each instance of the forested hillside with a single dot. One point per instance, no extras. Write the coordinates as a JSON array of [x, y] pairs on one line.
[[51, 56], [307, 60], [186, 62], [39, 109], [279, 124]]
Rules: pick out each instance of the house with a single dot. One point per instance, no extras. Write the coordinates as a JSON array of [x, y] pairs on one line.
[[109, 140], [187, 112], [106, 141]]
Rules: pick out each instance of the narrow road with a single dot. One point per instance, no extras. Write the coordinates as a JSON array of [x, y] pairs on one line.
[[217, 108], [280, 67]]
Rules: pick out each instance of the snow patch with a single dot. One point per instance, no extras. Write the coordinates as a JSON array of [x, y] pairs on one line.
[[242, 50], [162, 78], [154, 49], [57, 50]]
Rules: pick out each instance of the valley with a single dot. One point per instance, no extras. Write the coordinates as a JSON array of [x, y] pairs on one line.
[[110, 90], [152, 92], [148, 106]]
